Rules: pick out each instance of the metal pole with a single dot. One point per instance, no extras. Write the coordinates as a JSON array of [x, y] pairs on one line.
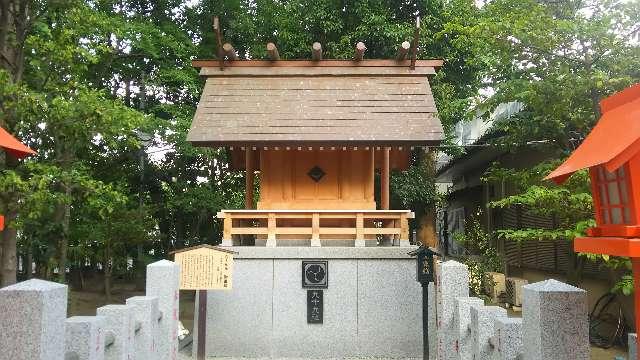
[[425, 320]]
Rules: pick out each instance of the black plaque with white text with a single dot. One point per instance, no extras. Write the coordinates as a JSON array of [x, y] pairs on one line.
[[314, 306]]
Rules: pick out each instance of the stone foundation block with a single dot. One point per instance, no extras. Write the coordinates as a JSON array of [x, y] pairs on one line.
[[146, 316], [163, 282], [462, 321], [555, 321], [120, 326], [508, 338]]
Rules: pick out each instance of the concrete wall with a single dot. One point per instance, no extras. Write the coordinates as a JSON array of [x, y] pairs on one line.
[[372, 306]]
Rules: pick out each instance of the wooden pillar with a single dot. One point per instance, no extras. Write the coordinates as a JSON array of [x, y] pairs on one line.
[[371, 175], [202, 324], [384, 179], [249, 176]]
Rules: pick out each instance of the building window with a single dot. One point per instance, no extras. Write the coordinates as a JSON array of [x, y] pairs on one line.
[[613, 190]]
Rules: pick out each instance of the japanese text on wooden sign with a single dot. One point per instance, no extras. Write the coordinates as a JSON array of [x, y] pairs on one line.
[[205, 268]]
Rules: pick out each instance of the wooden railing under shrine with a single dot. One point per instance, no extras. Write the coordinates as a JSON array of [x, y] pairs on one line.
[[314, 227]]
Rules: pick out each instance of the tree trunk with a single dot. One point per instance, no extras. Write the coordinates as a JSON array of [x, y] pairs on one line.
[[14, 23], [9, 240], [28, 267], [107, 271], [5, 25], [107, 282], [9, 235], [140, 268], [427, 228], [81, 274], [179, 224], [127, 92], [65, 209], [426, 221]]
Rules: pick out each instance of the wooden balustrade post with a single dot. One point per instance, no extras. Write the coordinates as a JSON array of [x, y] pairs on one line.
[[360, 240], [271, 230], [227, 226], [404, 230], [315, 229]]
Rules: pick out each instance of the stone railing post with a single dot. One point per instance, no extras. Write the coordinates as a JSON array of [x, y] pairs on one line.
[[85, 337], [555, 321], [163, 282], [508, 338], [120, 324], [145, 309], [462, 322], [632, 340], [482, 322], [32, 316], [452, 280]]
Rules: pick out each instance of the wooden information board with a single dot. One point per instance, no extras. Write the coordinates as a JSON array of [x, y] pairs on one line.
[[205, 267]]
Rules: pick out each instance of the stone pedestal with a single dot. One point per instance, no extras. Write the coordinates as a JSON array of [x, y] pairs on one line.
[[146, 313], [163, 282], [555, 321], [462, 322], [452, 282], [120, 324], [85, 337], [32, 316], [508, 338], [372, 305], [482, 322]]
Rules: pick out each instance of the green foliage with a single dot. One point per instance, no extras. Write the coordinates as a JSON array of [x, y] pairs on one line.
[[415, 187], [481, 255], [559, 59], [624, 285], [88, 76], [569, 204]]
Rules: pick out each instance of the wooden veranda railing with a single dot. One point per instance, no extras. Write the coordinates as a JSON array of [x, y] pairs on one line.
[[362, 226]]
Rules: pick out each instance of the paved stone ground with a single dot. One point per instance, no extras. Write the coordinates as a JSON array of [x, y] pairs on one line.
[[185, 354]]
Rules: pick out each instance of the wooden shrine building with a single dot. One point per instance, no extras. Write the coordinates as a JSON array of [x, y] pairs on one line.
[[316, 131]]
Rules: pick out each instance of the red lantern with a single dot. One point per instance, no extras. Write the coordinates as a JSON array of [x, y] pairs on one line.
[[611, 152]]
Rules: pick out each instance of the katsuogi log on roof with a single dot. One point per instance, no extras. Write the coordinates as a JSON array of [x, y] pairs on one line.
[[367, 102]]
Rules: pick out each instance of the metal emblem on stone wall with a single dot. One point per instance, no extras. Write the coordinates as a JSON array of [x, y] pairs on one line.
[[315, 274]]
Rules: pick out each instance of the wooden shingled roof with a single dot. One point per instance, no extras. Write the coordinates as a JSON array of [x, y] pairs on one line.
[[325, 102], [376, 102]]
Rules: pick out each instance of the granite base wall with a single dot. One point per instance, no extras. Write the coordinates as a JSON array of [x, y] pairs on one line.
[[372, 306]]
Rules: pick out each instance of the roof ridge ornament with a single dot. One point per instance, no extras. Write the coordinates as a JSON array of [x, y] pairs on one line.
[[405, 50], [414, 46], [216, 29]]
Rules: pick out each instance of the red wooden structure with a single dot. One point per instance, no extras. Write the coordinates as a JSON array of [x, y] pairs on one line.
[[611, 152], [14, 147]]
